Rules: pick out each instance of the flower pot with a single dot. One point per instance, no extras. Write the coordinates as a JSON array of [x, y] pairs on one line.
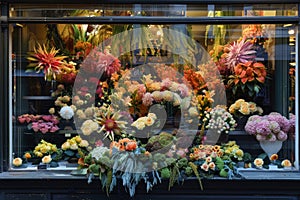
[[241, 122], [214, 137], [271, 147]]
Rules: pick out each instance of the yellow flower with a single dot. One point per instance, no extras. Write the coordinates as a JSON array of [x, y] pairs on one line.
[[244, 109], [65, 145], [258, 162], [52, 111], [66, 98], [53, 148], [84, 143], [232, 108], [46, 159], [239, 102], [17, 162], [155, 86], [77, 139]]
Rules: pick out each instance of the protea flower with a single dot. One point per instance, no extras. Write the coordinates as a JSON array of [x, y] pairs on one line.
[[239, 52], [111, 123], [46, 60]]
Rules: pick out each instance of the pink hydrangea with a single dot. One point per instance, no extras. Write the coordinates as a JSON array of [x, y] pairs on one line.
[[270, 127]]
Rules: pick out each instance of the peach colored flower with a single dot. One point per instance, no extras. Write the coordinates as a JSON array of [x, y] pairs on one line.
[[258, 162], [205, 167], [46, 159], [17, 162], [212, 166], [286, 163]]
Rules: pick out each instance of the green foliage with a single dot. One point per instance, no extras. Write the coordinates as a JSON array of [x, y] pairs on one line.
[[165, 173]]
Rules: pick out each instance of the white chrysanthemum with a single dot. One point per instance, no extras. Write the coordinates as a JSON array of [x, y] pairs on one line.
[[66, 112]]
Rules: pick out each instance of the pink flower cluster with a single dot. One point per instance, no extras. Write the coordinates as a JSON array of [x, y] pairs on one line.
[[42, 123], [270, 127], [98, 62]]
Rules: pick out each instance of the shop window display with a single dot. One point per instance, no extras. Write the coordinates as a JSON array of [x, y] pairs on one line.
[[145, 102]]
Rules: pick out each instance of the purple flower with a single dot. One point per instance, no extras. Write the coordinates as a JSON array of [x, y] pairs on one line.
[[263, 128], [270, 127], [281, 120], [282, 136], [250, 127]]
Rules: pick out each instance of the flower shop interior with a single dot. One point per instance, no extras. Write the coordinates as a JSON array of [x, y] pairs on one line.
[[152, 100]]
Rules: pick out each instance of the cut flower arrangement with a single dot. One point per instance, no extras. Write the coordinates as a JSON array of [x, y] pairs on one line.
[[269, 127], [123, 116]]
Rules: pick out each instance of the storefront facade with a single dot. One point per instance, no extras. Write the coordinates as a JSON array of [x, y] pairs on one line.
[[149, 100]]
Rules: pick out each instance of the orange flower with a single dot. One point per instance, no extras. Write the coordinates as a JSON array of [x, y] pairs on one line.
[[273, 157], [81, 162], [27, 155], [249, 71], [131, 145]]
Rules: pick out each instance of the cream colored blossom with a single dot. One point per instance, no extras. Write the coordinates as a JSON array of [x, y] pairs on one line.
[[51, 111], [17, 162], [74, 146], [252, 107], [65, 145], [46, 159], [286, 163], [152, 115], [167, 95], [84, 143], [212, 166], [139, 124], [149, 121], [258, 162], [205, 167]]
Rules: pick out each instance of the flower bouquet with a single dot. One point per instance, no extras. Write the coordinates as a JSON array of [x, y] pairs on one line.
[[270, 130], [218, 122], [74, 148], [241, 110]]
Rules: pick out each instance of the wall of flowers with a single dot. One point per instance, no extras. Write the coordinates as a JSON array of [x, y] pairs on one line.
[[149, 102]]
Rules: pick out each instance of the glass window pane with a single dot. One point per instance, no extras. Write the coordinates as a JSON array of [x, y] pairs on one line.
[[97, 81], [161, 10]]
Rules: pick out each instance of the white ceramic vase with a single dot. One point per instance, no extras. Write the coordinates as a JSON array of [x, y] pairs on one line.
[[271, 147]]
